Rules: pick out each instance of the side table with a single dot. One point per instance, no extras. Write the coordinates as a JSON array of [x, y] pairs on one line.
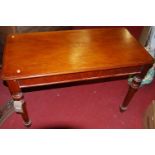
[[46, 58]]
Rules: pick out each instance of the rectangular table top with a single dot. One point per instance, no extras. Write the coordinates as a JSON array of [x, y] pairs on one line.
[[63, 52]]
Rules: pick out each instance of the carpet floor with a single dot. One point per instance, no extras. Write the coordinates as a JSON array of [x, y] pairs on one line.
[[87, 106]]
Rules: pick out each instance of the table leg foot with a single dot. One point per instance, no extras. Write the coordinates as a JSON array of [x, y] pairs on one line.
[[122, 109], [28, 124]]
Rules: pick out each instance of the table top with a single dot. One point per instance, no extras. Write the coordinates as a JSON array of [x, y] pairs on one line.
[[72, 51]]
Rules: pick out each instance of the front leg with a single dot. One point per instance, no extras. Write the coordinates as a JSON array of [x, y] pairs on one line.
[[133, 87], [19, 103]]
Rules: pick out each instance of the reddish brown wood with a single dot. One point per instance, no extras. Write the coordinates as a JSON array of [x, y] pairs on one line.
[[79, 76], [59, 57], [64, 52], [18, 96], [133, 87]]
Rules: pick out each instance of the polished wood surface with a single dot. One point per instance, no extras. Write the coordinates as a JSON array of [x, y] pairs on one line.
[[36, 59], [65, 52], [74, 77]]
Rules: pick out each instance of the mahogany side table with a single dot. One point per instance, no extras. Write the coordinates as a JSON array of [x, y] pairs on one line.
[[47, 58]]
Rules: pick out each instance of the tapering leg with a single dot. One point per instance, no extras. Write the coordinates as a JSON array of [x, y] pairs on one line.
[[19, 103], [134, 86], [131, 91]]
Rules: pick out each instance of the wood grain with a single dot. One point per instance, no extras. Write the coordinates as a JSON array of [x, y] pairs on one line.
[[64, 52], [36, 59]]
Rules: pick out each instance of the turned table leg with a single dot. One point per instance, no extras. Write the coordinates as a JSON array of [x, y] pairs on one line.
[[133, 87], [19, 103]]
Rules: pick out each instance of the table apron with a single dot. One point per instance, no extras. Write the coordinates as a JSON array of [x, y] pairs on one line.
[[82, 76]]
